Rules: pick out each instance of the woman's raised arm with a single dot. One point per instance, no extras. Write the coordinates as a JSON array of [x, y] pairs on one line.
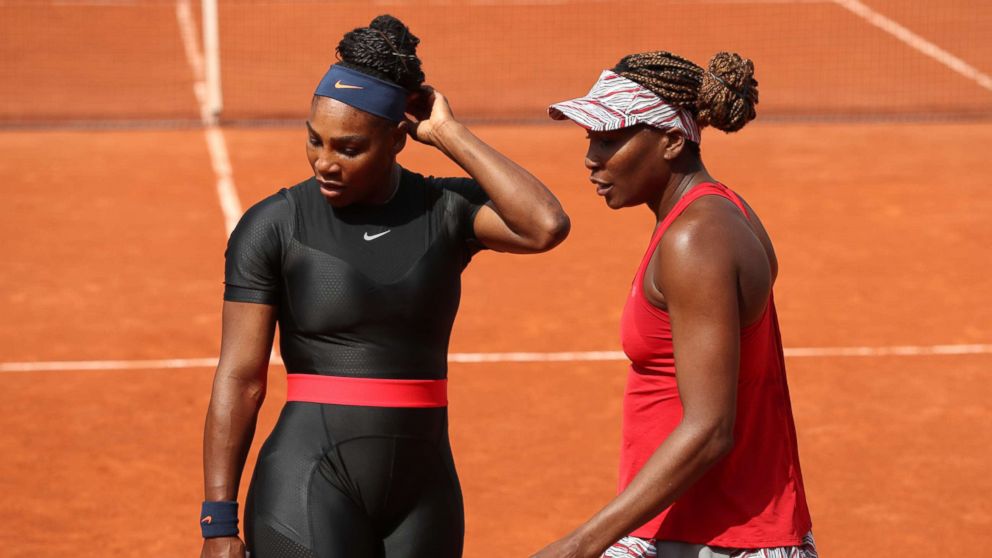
[[524, 217]]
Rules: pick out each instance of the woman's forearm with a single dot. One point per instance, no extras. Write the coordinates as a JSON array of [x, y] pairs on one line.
[[527, 207], [227, 436], [684, 457]]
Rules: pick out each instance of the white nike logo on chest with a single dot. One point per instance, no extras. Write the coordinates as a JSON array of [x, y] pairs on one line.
[[375, 236]]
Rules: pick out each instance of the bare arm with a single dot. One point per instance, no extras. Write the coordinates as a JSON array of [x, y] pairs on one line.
[[238, 391], [524, 217], [697, 274]]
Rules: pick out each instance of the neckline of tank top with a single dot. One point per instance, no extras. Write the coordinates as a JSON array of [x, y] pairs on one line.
[[673, 214]]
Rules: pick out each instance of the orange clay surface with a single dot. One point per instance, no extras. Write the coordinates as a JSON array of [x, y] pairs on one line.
[[113, 249]]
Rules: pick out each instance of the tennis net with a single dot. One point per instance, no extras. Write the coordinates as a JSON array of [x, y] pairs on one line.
[[116, 62]]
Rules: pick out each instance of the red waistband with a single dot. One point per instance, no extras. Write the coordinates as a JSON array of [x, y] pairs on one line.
[[367, 392]]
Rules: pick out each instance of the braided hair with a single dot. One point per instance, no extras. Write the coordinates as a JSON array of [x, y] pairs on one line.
[[386, 49], [722, 96]]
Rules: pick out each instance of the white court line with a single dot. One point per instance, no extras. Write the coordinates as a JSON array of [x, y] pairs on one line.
[[102, 365], [220, 160], [916, 42], [475, 358], [227, 194]]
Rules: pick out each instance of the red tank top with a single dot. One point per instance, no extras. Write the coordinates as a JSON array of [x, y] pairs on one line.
[[753, 497]]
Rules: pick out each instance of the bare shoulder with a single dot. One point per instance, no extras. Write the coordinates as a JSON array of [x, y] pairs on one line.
[[701, 245], [711, 226], [758, 227], [713, 245]]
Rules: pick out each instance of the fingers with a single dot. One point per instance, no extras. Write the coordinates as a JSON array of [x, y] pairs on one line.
[[413, 128], [427, 109], [441, 108], [420, 102]]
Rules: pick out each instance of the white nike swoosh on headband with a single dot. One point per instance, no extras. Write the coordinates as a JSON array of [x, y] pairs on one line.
[[375, 236]]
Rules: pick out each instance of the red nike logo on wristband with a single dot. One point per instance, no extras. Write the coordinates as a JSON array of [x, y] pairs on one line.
[[208, 520]]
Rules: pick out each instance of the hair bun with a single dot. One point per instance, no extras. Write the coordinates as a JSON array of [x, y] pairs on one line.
[[728, 93], [385, 49], [397, 31]]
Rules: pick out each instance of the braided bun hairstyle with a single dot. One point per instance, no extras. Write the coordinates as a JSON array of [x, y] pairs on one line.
[[722, 96], [386, 49]]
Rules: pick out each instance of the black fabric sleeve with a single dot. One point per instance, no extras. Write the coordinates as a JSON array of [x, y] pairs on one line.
[[252, 271], [463, 200]]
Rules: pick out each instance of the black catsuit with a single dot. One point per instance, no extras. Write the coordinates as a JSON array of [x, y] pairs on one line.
[[355, 300]]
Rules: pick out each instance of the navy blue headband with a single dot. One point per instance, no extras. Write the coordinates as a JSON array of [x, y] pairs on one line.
[[363, 92]]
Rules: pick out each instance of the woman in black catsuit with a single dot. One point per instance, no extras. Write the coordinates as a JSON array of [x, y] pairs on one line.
[[360, 267]]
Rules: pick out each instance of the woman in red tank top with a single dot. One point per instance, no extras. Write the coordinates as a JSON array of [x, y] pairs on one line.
[[709, 462]]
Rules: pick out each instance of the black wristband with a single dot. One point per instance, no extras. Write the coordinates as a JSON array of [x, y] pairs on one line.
[[219, 519]]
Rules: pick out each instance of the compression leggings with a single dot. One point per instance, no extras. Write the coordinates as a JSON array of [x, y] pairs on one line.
[[336, 480]]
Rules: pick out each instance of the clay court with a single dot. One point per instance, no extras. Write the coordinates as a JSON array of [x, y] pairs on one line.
[[870, 171]]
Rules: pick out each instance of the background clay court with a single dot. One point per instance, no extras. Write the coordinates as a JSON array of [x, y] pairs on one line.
[[114, 237]]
